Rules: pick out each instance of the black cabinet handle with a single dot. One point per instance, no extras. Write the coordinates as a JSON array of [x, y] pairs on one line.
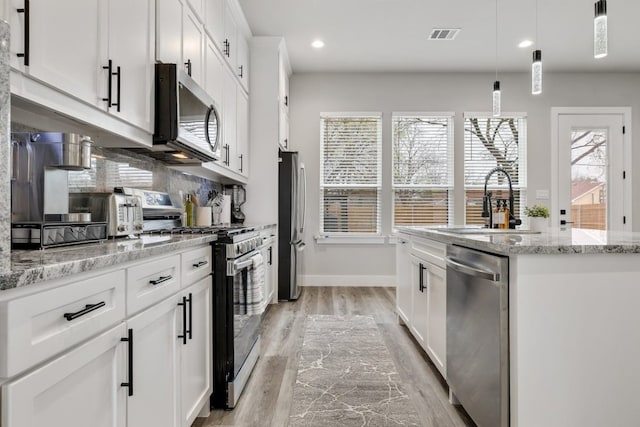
[[117, 74], [241, 75], [87, 309], [227, 47], [129, 382], [188, 65], [27, 18], [183, 304], [241, 162], [200, 264], [286, 143], [286, 101], [160, 279], [422, 286], [270, 255], [109, 69], [190, 330], [226, 156]]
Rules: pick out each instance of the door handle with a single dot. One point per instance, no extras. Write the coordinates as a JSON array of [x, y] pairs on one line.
[[109, 69], [472, 271], [129, 340], [183, 304], [188, 65], [117, 74], [421, 284], [27, 18], [190, 301]]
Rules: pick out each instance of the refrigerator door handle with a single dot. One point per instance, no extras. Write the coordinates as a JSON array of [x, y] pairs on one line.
[[303, 173]]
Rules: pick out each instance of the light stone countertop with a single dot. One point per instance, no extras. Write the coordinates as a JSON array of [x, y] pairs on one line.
[[555, 241], [27, 267]]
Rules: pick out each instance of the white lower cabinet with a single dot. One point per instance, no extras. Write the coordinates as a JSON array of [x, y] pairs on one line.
[[403, 280], [195, 351], [421, 295], [80, 388], [154, 398]]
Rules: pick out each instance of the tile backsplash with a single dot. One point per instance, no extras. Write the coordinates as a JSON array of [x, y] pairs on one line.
[[113, 167]]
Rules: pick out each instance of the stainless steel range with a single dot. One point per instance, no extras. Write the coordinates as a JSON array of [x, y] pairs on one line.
[[238, 301]]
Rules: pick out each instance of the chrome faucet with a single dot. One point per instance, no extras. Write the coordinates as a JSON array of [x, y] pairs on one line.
[[486, 200]]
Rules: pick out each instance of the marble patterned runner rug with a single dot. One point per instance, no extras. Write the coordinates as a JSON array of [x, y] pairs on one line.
[[346, 377]]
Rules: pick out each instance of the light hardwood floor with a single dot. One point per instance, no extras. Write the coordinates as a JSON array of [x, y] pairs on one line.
[[267, 396]]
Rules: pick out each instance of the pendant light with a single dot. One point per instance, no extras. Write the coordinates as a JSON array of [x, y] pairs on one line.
[[536, 66], [600, 30], [496, 83]]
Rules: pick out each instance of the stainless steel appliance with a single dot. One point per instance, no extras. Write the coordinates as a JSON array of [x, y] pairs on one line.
[[291, 221], [40, 210], [237, 312], [187, 125], [122, 210], [478, 334], [238, 198]]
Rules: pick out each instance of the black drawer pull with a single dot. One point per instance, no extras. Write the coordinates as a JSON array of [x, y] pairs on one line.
[[183, 304], [129, 382], [160, 279], [87, 309], [190, 330], [109, 69], [188, 66], [200, 264]]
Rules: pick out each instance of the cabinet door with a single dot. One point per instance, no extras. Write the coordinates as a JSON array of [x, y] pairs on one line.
[[283, 128], [267, 256], [229, 122], [131, 44], [403, 280], [155, 358], [80, 388], [420, 306], [214, 72], [195, 356], [242, 121], [229, 47], [66, 38], [283, 84], [214, 21], [192, 45], [169, 31], [436, 282], [242, 61]]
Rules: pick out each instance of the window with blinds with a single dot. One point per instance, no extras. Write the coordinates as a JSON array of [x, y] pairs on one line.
[[422, 169], [350, 173], [490, 142]]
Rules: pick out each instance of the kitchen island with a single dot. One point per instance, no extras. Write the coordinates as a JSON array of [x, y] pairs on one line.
[[572, 319]]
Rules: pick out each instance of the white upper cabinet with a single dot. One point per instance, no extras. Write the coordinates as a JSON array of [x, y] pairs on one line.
[[131, 52], [229, 45], [242, 133], [214, 21], [214, 74], [62, 50], [169, 31], [242, 61], [229, 121], [192, 46]]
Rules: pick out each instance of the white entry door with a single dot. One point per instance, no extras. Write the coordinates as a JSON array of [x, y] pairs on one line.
[[591, 178]]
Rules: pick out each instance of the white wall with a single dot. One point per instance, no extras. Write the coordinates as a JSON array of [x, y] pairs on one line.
[[312, 93]]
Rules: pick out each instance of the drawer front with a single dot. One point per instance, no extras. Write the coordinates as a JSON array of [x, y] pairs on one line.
[[429, 250], [152, 281], [36, 327], [196, 265]]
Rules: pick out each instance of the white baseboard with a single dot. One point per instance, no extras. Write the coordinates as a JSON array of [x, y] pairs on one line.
[[351, 280]]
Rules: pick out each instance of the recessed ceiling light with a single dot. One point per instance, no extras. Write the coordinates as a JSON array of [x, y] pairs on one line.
[[317, 44], [525, 43]]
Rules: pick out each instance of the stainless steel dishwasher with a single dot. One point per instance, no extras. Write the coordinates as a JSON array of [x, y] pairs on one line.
[[478, 334]]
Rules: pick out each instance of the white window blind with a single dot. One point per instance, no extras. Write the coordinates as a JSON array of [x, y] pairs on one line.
[[350, 173], [490, 142], [422, 169]]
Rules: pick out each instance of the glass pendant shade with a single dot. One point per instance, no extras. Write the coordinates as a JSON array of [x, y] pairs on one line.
[[496, 99], [600, 30], [536, 73]]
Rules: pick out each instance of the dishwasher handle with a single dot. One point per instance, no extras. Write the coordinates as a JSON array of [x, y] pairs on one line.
[[472, 271]]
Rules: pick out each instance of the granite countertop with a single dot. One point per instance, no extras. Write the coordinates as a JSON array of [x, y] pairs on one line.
[[555, 241], [27, 267]]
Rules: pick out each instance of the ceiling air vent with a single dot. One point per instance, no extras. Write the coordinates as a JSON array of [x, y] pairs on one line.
[[444, 33]]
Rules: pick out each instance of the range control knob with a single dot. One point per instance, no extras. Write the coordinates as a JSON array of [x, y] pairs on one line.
[[122, 227]]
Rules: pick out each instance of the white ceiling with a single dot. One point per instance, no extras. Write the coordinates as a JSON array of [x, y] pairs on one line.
[[391, 35]]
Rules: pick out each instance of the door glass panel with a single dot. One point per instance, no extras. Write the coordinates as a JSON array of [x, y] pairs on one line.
[[589, 178]]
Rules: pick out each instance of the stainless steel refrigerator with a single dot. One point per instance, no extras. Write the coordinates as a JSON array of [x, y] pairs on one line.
[[292, 183]]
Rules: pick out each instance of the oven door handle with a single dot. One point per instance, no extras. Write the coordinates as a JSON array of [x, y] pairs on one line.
[[234, 266]]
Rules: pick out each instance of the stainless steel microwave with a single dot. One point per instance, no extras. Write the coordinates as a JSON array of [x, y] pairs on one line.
[[187, 124]]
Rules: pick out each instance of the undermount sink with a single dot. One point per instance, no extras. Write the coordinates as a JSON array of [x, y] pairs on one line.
[[486, 231]]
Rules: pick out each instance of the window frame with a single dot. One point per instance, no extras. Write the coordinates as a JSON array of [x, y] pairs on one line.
[[378, 186], [523, 159]]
